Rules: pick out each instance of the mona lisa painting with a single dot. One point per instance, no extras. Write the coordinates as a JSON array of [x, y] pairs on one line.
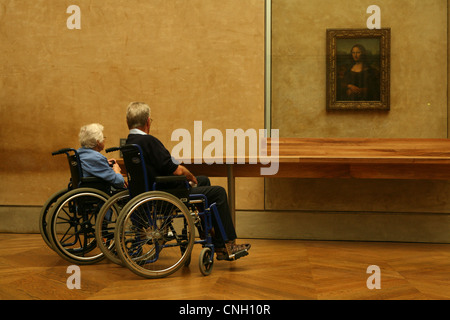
[[358, 69]]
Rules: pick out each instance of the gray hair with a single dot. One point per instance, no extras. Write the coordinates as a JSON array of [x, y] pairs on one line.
[[90, 135], [137, 114]]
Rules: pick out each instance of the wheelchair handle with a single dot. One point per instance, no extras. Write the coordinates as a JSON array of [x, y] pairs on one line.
[[112, 149], [61, 151]]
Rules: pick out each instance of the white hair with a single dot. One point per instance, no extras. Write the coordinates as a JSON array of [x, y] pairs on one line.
[[137, 114], [90, 135]]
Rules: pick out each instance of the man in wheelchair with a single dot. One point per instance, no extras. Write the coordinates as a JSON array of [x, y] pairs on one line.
[[159, 162], [93, 163]]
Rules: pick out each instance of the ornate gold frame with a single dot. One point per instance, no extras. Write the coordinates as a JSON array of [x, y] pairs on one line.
[[358, 35]]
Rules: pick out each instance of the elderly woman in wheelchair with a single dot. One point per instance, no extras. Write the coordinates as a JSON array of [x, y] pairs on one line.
[[67, 219], [93, 163]]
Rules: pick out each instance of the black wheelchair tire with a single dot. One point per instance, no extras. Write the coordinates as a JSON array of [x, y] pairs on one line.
[[76, 255], [109, 251], [44, 215], [206, 261], [125, 216]]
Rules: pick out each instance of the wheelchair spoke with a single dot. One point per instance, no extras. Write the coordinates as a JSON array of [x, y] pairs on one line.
[[69, 217], [151, 233], [105, 225], [73, 225], [64, 240]]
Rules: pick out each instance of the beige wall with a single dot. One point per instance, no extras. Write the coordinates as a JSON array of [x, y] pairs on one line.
[[190, 60], [204, 60], [418, 69], [419, 109]]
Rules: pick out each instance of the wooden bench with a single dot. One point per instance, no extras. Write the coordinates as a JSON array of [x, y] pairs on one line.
[[427, 159]]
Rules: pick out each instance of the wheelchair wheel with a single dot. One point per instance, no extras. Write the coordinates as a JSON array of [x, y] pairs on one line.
[[105, 224], [206, 261], [73, 223], [44, 216], [154, 234]]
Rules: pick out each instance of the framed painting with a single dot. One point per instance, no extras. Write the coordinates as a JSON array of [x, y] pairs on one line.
[[358, 69]]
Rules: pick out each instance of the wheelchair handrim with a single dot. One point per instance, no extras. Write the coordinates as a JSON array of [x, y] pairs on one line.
[[125, 216], [109, 251], [57, 243]]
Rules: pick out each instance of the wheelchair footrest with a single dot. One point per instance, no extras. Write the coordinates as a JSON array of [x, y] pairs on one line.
[[240, 254], [235, 256]]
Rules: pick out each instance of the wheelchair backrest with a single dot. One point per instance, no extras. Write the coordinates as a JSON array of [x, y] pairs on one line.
[[133, 159], [75, 169], [76, 173], [138, 183]]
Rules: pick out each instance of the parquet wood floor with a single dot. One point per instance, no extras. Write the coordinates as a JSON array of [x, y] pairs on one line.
[[274, 270]]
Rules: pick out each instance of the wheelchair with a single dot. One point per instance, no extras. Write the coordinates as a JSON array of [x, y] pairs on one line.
[[67, 219], [106, 223], [75, 173], [154, 232]]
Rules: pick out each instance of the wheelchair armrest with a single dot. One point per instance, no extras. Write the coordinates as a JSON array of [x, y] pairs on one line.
[[91, 180], [96, 183], [165, 179], [176, 185]]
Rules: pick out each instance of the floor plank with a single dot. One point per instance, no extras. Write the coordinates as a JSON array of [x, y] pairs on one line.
[[274, 270]]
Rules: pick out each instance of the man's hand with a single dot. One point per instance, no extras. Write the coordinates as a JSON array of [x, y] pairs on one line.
[[183, 171]]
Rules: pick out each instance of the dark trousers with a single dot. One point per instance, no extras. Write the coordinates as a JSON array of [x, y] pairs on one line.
[[219, 196]]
